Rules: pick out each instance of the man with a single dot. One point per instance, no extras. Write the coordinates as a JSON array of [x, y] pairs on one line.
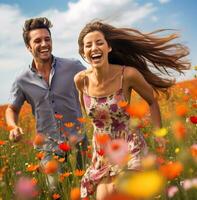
[[49, 88]]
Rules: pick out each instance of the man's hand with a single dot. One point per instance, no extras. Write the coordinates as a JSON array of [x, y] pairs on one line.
[[16, 134]]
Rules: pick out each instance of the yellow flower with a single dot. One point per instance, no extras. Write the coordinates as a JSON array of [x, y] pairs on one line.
[[195, 67], [141, 184], [161, 132], [177, 150]]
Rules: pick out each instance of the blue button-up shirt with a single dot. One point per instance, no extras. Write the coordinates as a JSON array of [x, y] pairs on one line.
[[58, 97]]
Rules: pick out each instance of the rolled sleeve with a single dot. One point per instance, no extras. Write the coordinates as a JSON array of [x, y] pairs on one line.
[[17, 97]]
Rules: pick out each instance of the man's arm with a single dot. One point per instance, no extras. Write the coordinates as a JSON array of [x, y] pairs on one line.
[[11, 116]]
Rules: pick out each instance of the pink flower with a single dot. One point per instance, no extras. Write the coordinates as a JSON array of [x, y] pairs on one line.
[[189, 183], [117, 151], [25, 188], [171, 191]]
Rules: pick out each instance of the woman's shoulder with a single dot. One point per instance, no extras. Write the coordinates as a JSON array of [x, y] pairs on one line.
[[132, 74], [80, 77], [131, 71]]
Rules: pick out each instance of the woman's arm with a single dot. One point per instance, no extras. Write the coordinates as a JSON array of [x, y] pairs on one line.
[[136, 81], [79, 83]]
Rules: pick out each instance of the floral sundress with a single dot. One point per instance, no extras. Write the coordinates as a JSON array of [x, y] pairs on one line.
[[107, 117]]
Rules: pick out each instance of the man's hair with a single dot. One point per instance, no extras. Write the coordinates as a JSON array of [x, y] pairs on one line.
[[35, 23]]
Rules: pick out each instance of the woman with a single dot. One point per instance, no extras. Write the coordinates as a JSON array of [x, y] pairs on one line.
[[119, 61]]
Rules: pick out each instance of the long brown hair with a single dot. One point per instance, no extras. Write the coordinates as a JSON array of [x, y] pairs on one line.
[[131, 47]]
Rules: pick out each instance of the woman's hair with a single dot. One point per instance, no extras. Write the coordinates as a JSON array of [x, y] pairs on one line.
[[130, 47], [35, 23]]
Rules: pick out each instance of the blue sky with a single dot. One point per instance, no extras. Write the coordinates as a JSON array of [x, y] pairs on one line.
[[68, 17]]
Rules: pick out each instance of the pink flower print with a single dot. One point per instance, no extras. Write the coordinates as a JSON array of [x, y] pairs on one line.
[[102, 100]]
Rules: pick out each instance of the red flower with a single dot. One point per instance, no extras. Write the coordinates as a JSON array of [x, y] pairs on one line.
[[64, 146], [101, 152], [193, 119], [58, 116]]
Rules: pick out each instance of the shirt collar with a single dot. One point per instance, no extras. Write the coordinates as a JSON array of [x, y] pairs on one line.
[[32, 65]]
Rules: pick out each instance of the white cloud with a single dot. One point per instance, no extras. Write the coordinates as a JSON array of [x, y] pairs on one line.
[[164, 1], [154, 18]]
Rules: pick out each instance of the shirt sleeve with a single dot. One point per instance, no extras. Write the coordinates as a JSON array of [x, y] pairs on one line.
[[17, 97]]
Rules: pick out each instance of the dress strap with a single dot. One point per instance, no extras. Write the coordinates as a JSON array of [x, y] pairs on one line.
[[122, 77], [85, 85]]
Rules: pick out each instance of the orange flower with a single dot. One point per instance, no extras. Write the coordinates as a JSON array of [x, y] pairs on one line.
[[138, 109], [82, 119], [56, 196], [179, 130], [160, 149], [102, 138], [69, 124], [62, 176], [61, 160], [2, 142], [122, 104], [40, 155], [32, 167], [39, 139], [185, 98], [171, 170], [75, 194], [193, 150], [78, 172], [51, 167], [160, 160], [181, 110], [194, 105]]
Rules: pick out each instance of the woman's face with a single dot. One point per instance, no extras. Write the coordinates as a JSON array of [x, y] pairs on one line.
[[96, 49]]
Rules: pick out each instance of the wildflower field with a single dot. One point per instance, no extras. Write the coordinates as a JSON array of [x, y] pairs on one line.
[[169, 170]]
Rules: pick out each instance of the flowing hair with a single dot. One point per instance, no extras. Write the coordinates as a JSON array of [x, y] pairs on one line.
[[131, 47]]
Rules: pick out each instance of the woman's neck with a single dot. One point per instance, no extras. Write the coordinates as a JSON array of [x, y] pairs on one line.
[[101, 74]]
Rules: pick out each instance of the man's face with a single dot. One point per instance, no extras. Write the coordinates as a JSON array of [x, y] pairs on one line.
[[40, 45]]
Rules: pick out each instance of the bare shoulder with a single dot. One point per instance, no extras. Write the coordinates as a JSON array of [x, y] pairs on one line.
[[80, 77], [132, 73]]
